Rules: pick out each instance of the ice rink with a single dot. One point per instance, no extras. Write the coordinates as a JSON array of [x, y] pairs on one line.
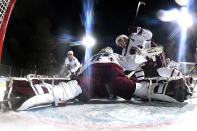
[[105, 115]]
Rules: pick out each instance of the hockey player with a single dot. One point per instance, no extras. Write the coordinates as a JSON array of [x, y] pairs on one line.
[[139, 40], [130, 46], [103, 72], [71, 65]]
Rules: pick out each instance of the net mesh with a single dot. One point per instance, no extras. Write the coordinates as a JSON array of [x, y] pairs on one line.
[[6, 7], [3, 7]]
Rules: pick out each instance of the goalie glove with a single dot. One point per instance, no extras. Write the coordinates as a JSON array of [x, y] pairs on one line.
[[151, 52]]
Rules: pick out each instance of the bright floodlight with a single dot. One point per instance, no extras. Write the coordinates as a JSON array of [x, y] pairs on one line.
[[170, 15], [185, 19], [182, 17], [182, 2], [88, 41]]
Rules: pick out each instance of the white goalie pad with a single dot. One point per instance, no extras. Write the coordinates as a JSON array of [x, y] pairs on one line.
[[61, 92], [27, 93], [66, 90], [37, 100], [170, 89], [169, 72], [2, 88]]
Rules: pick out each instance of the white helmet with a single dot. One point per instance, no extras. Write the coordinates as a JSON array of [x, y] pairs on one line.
[[70, 52], [120, 37]]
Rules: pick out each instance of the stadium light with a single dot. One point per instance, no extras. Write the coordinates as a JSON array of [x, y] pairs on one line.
[[168, 15], [182, 2], [184, 20], [182, 17], [88, 41]]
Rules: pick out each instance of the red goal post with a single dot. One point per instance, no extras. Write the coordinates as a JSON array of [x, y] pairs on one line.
[[6, 7]]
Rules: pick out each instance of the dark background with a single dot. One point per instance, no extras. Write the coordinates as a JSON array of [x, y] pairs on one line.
[[40, 31]]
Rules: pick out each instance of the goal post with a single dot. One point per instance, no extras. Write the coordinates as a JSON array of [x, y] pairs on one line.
[[6, 7]]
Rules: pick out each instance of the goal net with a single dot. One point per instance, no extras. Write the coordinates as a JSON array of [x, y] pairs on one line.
[[6, 7]]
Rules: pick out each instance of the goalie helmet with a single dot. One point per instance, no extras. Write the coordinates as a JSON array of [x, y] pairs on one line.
[[108, 50]]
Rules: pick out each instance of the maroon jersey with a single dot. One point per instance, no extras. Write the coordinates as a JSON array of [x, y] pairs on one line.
[[93, 81]]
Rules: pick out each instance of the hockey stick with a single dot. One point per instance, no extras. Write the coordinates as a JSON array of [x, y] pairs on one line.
[[195, 68], [137, 10], [133, 72]]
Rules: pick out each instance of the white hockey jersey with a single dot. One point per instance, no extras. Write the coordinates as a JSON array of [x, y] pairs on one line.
[[120, 60], [137, 42], [73, 64]]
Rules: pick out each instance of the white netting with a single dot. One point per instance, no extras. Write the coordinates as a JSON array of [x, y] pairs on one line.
[[3, 7]]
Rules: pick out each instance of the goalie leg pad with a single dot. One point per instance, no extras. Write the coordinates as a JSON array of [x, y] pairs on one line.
[[36, 101], [141, 89], [66, 91], [58, 94], [171, 91]]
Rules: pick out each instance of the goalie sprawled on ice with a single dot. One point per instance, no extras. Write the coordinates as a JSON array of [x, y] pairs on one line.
[[101, 76]]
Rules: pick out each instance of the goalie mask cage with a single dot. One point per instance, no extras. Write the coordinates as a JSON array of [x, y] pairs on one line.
[[6, 7]]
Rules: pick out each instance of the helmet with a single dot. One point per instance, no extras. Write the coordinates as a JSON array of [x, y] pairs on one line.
[[108, 50], [70, 52], [120, 37]]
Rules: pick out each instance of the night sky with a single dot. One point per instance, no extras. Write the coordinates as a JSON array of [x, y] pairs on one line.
[[40, 31]]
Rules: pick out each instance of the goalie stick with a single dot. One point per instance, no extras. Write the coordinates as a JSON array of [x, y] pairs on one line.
[[133, 72]]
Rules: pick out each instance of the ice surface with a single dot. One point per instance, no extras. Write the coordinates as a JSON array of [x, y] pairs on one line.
[[105, 115]]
